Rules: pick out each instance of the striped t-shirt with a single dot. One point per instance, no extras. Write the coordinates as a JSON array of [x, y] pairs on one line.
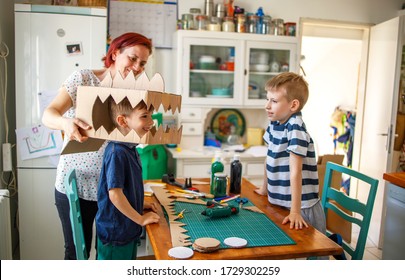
[[282, 139]]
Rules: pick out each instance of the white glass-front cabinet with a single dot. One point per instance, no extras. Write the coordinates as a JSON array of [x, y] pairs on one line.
[[220, 69], [264, 60]]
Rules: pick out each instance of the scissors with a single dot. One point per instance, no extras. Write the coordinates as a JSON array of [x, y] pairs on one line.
[[241, 201], [181, 214]]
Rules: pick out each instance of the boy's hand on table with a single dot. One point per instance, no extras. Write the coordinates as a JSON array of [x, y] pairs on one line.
[[151, 205], [261, 191], [296, 221], [149, 218]]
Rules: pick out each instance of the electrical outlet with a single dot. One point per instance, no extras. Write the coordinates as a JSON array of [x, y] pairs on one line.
[[7, 162]]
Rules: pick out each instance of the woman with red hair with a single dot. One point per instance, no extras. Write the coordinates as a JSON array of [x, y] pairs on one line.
[[128, 52]]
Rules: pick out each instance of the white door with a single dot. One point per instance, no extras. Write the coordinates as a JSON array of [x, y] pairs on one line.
[[379, 116]]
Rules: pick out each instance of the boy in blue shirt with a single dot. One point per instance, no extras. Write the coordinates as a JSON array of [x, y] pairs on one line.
[[120, 216], [291, 167]]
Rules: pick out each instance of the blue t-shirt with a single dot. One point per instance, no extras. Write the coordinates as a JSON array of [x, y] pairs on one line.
[[283, 139], [121, 169]]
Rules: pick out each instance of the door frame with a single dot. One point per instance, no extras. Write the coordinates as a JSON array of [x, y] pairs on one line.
[[343, 29]]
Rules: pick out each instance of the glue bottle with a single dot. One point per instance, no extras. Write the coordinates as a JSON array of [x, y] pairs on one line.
[[216, 166], [236, 175]]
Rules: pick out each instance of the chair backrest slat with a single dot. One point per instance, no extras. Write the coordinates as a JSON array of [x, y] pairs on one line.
[[347, 202], [343, 214], [75, 215], [343, 201]]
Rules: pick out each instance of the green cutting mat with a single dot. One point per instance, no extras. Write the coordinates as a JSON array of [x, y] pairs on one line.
[[256, 228]]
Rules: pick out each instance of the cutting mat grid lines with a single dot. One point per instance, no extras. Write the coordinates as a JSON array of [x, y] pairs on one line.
[[256, 228]]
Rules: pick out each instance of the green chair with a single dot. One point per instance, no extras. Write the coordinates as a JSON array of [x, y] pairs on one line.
[[335, 200], [75, 215]]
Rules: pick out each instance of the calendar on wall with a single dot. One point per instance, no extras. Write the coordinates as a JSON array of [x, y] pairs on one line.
[[154, 19]]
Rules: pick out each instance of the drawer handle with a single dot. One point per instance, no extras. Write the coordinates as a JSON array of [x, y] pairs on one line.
[[192, 129], [192, 115]]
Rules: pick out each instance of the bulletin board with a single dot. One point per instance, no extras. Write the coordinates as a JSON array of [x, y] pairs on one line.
[[155, 19]]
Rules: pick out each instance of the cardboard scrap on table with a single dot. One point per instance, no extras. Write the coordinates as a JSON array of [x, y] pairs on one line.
[[253, 209], [194, 201], [177, 232], [92, 108]]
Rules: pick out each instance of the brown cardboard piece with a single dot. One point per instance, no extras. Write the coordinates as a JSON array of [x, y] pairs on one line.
[[177, 232], [336, 180], [334, 222], [92, 108]]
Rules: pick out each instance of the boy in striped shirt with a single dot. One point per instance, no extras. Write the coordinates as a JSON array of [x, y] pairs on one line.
[[290, 168]]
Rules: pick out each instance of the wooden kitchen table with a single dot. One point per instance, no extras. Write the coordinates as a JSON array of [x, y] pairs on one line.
[[309, 241]]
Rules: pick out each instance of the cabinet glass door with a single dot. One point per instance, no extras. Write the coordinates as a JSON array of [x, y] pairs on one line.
[[263, 61], [210, 72]]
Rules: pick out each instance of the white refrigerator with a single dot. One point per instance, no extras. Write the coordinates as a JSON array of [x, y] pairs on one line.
[[50, 43]]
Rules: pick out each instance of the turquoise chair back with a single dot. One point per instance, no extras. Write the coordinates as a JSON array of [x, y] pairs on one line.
[[75, 215], [341, 200]]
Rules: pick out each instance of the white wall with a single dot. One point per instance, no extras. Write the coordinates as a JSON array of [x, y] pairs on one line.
[[360, 11], [366, 11], [331, 67]]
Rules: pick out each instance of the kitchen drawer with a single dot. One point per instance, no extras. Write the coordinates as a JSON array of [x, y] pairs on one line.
[[191, 114], [254, 169], [192, 128], [394, 246], [197, 170]]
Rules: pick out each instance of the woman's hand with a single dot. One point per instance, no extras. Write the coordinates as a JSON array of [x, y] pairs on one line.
[[72, 128], [54, 119]]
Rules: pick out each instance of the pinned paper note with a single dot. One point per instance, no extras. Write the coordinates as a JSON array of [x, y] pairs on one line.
[[38, 141]]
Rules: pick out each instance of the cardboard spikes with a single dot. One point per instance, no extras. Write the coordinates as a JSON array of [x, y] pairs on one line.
[[92, 108]]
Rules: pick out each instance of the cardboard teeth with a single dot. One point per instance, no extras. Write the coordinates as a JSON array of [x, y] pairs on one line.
[[92, 108]]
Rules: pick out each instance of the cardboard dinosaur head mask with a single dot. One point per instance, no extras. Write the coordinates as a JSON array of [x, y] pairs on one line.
[[92, 108]]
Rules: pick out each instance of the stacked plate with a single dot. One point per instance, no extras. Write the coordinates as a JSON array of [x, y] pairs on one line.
[[181, 253], [259, 67], [220, 93], [259, 57], [235, 242], [208, 62]]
